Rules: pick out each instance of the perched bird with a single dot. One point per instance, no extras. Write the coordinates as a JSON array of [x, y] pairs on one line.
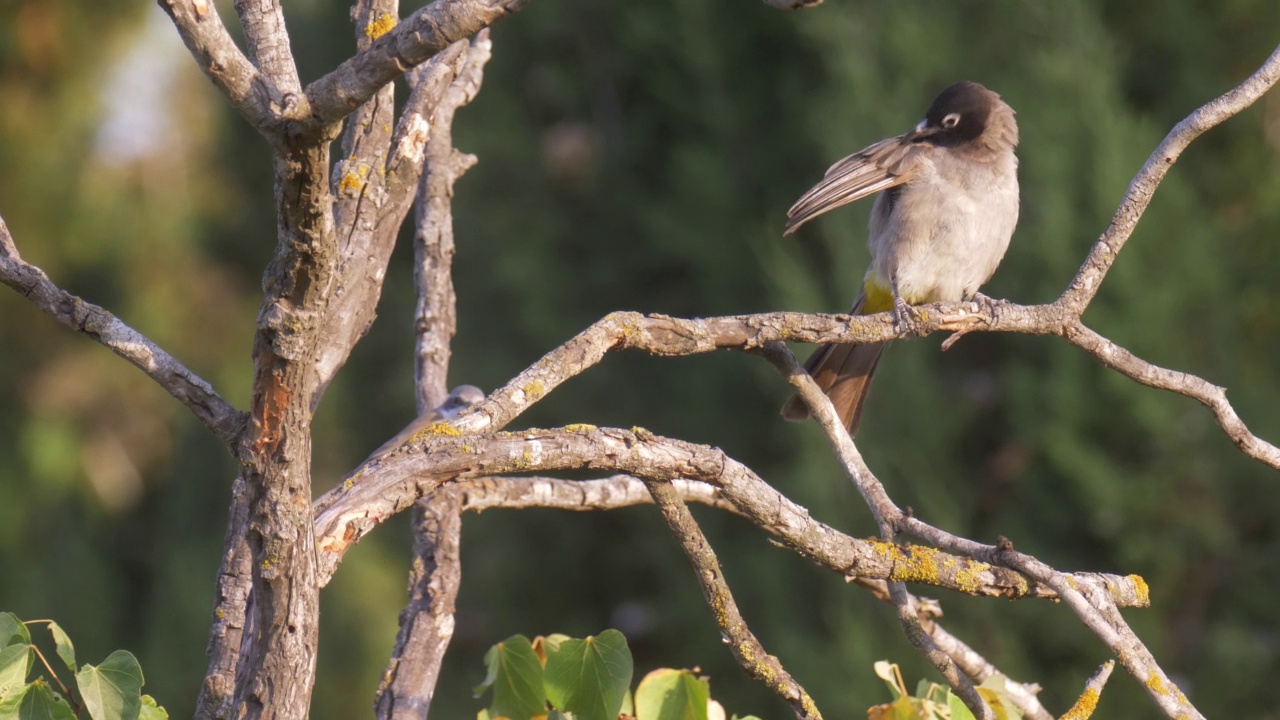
[[460, 398], [947, 206]]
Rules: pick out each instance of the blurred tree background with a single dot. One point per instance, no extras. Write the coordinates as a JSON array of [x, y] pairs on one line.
[[641, 156]]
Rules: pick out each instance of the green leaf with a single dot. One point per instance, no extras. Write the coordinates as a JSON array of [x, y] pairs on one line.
[[628, 704], [886, 671], [667, 694], [11, 701], [958, 709], [516, 678], [62, 643], [42, 703], [112, 690], [15, 663], [548, 644], [589, 677], [12, 631], [151, 710]]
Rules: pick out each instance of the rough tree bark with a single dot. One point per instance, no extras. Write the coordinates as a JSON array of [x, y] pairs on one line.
[[336, 227]]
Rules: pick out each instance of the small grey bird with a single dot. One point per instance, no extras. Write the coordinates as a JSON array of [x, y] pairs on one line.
[[947, 206], [460, 398]]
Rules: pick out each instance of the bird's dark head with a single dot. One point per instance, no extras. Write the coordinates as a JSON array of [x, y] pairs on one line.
[[962, 113]]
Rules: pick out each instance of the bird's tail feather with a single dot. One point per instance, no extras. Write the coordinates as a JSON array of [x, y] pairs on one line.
[[844, 373]]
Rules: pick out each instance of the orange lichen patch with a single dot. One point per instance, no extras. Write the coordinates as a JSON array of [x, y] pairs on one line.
[[579, 428], [1144, 592], [380, 26], [970, 575], [437, 429], [1084, 707], [534, 390], [912, 563], [351, 183], [1156, 685]]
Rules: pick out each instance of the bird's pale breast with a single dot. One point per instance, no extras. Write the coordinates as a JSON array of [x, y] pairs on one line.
[[941, 236]]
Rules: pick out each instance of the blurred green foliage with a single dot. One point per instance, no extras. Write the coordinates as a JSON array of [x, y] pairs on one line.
[[641, 156]]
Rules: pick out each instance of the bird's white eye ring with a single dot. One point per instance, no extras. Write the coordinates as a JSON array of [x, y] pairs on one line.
[[951, 120]]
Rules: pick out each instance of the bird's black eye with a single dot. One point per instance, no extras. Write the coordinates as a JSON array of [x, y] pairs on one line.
[[951, 120]]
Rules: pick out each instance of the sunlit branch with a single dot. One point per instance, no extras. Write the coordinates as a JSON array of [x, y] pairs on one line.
[[224, 420]]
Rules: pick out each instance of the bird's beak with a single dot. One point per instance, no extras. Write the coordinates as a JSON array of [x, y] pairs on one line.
[[921, 131]]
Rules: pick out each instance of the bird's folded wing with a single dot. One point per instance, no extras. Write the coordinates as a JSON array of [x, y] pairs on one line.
[[886, 164]]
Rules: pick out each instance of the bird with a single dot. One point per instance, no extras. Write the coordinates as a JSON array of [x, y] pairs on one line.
[[459, 399], [946, 209]]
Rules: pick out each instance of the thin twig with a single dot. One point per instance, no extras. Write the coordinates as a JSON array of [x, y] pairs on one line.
[[1143, 186], [437, 319], [224, 420], [748, 651], [250, 92], [887, 517]]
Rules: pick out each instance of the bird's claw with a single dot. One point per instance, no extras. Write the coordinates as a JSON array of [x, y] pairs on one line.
[[906, 318], [989, 305]]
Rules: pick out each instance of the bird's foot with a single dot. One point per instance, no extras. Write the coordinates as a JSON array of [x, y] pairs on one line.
[[988, 311], [989, 306], [907, 319]]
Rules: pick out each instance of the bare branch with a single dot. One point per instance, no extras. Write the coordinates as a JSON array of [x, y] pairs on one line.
[[668, 336], [1100, 615], [429, 83], [253, 95], [1143, 187], [276, 670], [367, 213], [230, 613], [748, 651], [970, 662], [268, 40], [882, 507], [421, 35], [1206, 393], [437, 319], [886, 515], [392, 482], [621, 491], [426, 623], [923, 642], [226, 422], [611, 493]]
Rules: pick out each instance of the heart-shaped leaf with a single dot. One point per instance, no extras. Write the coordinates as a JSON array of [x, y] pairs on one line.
[[589, 677], [515, 675], [668, 694], [112, 690]]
